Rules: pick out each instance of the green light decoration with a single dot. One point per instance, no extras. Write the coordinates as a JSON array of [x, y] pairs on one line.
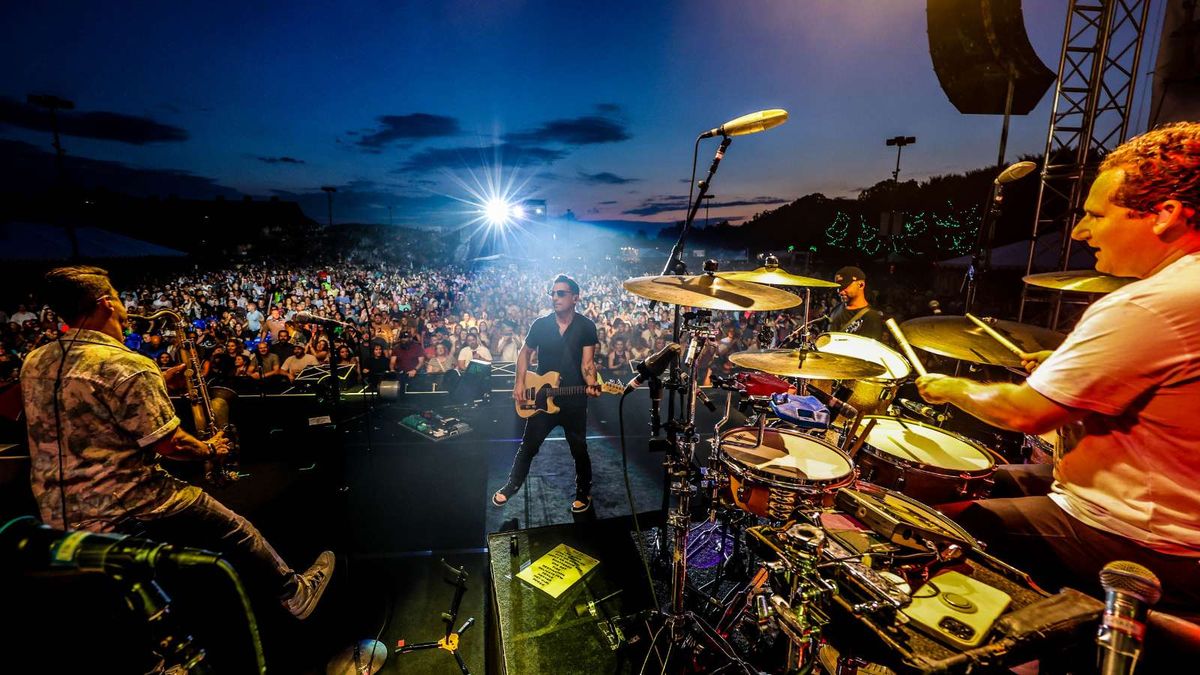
[[950, 230]]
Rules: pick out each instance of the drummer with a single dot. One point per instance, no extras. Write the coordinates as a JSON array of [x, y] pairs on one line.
[[855, 314], [1126, 383]]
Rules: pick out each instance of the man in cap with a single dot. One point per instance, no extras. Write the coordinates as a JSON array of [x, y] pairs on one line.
[[855, 315]]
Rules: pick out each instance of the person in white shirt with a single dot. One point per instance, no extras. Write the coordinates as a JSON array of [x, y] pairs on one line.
[[473, 352], [1124, 386]]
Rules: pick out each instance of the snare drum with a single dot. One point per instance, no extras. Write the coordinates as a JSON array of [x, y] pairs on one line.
[[924, 462], [786, 471], [875, 395]]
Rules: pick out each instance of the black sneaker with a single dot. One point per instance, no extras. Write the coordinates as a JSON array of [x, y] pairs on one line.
[[506, 492], [310, 586]]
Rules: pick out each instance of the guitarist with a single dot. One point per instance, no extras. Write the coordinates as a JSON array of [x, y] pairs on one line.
[[565, 341]]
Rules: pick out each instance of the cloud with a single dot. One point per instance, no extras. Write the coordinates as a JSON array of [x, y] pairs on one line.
[[280, 160], [414, 126], [608, 202], [586, 130], [464, 157], [105, 126], [28, 168], [668, 203], [605, 178], [608, 108]]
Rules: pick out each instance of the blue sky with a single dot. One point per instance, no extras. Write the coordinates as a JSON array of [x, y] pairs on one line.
[[592, 106]]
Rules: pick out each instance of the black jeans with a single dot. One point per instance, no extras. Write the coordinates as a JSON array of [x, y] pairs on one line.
[[574, 423], [209, 524], [1024, 528]]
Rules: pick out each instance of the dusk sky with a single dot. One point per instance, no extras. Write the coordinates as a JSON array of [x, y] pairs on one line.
[[596, 105]]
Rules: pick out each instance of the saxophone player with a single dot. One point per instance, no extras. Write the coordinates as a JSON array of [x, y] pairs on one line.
[[98, 420]]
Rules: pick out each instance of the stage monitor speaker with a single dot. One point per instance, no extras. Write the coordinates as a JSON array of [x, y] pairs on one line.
[[975, 46], [597, 625]]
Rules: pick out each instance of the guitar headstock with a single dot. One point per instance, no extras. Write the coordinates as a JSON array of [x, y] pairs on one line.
[[611, 386]]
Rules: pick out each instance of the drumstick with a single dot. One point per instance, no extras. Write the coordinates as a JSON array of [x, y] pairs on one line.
[[905, 347], [995, 335]]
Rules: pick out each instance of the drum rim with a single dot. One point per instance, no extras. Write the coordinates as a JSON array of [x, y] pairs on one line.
[[896, 459], [881, 380], [743, 472]]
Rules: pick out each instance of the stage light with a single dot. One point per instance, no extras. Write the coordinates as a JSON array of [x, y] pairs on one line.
[[497, 211], [517, 211]]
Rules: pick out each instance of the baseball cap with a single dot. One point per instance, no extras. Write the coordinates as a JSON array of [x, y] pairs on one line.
[[848, 275]]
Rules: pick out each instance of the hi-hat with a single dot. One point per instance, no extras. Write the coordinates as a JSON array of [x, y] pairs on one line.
[[959, 338], [775, 276], [1078, 281], [808, 364], [711, 292]]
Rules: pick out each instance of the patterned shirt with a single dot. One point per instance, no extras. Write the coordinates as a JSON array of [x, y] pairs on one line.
[[112, 404]]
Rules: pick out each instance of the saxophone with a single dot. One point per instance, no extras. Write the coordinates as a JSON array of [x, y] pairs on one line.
[[210, 415]]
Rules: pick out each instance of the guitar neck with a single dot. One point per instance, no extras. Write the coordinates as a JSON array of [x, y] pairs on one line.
[[567, 391]]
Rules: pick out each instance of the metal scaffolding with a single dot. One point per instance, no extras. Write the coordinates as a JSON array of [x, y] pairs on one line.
[[1097, 73]]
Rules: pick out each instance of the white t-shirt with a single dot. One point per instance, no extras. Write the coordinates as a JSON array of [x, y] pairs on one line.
[[1134, 362], [481, 353]]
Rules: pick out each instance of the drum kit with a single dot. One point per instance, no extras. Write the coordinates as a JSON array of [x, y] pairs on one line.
[[817, 436]]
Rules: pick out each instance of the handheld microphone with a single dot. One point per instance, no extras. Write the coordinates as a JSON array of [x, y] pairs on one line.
[[1129, 591], [305, 317], [37, 547], [1015, 172], [749, 124], [654, 365]]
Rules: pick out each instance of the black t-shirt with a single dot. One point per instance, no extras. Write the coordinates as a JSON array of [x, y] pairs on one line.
[[870, 324], [562, 353]]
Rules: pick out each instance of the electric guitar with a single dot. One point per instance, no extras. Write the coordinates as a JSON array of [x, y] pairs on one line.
[[541, 390]]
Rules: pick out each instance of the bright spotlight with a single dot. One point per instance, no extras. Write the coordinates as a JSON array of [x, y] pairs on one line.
[[517, 211], [497, 211]]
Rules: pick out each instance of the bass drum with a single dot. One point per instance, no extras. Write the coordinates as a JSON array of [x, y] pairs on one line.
[[784, 472], [924, 462]]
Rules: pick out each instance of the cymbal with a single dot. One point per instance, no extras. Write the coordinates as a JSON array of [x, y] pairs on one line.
[[1078, 281], [814, 366], [775, 276], [711, 292], [959, 338]]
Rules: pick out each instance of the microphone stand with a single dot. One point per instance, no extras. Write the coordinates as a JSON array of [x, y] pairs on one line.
[[981, 259], [685, 627]]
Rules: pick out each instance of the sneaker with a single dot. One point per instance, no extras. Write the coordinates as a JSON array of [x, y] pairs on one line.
[[581, 504], [503, 494], [310, 586]]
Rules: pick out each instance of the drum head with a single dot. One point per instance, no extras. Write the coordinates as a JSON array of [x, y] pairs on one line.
[[849, 344], [925, 445], [784, 456]]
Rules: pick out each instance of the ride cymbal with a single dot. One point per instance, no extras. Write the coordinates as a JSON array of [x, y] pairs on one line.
[[774, 276], [711, 292], [808, 364], [959, 338], [1078, 281]]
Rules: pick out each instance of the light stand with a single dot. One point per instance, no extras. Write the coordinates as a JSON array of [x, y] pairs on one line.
[[981, 259]]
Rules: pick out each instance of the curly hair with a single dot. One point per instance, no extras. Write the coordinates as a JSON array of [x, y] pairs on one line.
[[1160, 164]]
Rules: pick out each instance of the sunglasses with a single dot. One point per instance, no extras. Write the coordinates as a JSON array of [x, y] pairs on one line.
[[559, 294]]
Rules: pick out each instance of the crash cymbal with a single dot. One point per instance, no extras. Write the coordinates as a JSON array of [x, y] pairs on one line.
[[814, 365], [711, 292], [774, 276], [959, 338], [1078, 281]]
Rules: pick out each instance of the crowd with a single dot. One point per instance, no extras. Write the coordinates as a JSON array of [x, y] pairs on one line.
[[405, 322]]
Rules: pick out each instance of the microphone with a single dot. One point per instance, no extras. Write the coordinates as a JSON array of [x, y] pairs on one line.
[[1129, 591], [927, 411], [1015, 172], [305, 317], [37, 547], [836, 405], [656, 390], [749, 124], [712, 407], [653, 366]]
